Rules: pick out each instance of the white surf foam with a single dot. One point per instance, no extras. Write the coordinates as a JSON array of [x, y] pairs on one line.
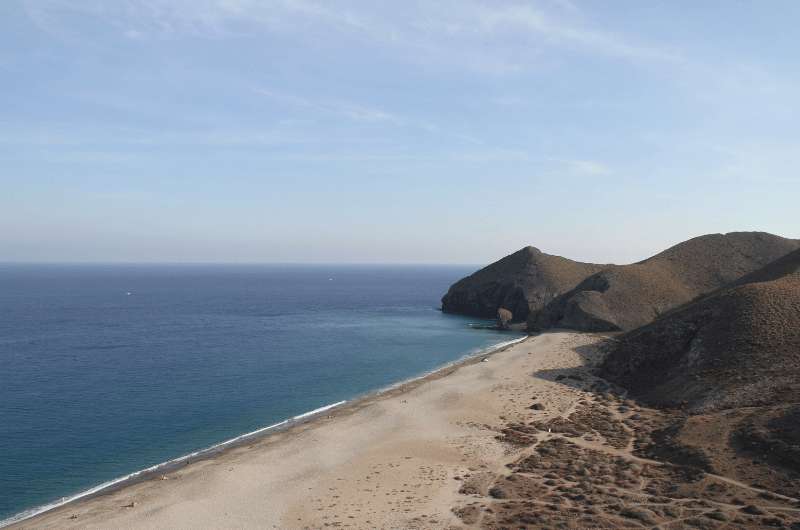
[[471, 355], [27, 514]]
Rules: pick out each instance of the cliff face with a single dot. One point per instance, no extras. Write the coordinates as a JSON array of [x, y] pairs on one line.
[[522, 282], [737, 347], [624, 297]]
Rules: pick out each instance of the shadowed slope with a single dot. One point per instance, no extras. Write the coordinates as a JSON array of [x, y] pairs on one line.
[[521, 282], [628, 296], [738, 347]]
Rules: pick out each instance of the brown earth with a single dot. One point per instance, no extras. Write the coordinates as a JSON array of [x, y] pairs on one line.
[[722, 450], [739, 347], [609, 462], [625, 297], [725, 371], [521, 282]]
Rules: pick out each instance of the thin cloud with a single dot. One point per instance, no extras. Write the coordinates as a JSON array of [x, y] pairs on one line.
[[360, 113], [538, 28], [196, 18], [451, 32], [772, 163], [345, 109], [582, 166], [589, 167], [16, 135]]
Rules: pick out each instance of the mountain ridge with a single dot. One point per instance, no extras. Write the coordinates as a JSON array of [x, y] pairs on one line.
[[624, 297], [738, 346], [548, 291]]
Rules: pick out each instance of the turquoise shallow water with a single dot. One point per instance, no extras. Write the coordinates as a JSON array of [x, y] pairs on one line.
[[105, 370]]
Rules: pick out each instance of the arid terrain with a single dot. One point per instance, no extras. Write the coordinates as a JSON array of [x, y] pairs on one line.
[[629, 296], [553, 292], [609, 462]]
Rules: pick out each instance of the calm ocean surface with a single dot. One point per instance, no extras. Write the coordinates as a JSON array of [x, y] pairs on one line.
[[105, 370]]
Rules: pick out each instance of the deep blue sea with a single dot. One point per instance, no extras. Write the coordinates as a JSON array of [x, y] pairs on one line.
[[108, 369]]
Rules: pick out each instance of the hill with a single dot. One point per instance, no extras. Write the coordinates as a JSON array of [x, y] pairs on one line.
[[521, 282], [731, 361], [624, 297], [738, 347]]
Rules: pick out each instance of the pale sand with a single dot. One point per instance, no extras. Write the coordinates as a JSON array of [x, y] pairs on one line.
[[392, 461]]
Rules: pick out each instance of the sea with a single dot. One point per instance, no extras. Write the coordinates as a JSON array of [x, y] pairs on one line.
[[106, 370]]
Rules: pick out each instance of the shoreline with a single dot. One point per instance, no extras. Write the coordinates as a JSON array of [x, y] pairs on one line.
[[258, 435], [534, 438]]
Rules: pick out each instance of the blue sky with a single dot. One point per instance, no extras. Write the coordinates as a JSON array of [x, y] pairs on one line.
[[374, 131]]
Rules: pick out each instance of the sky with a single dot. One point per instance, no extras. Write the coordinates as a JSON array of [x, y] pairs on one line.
[[392, 132]]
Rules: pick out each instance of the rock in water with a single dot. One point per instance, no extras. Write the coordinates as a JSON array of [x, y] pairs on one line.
[[504, 318]]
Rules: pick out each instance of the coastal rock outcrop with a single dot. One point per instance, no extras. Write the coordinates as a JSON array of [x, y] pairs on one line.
[[522, 282], [504, 318], [624, 297]]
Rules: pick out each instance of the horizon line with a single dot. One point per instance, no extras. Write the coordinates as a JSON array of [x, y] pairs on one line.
[[258, 263]]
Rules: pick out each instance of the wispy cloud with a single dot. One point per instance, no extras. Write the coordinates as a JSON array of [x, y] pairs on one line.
[[64, 137], [578, 166], [541, 29], [344, 109], [508, 101], [197, 18], [492, 155], [464, 32], [773, 163], [588, 167]]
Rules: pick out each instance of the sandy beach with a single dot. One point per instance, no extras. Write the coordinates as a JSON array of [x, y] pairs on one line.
[[389, 461], [529, 438]]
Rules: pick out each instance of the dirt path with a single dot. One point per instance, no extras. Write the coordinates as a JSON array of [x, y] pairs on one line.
[[576, 464]]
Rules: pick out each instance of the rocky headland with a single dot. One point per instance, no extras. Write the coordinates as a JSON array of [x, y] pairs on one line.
[[553, 292], [520, 283]]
